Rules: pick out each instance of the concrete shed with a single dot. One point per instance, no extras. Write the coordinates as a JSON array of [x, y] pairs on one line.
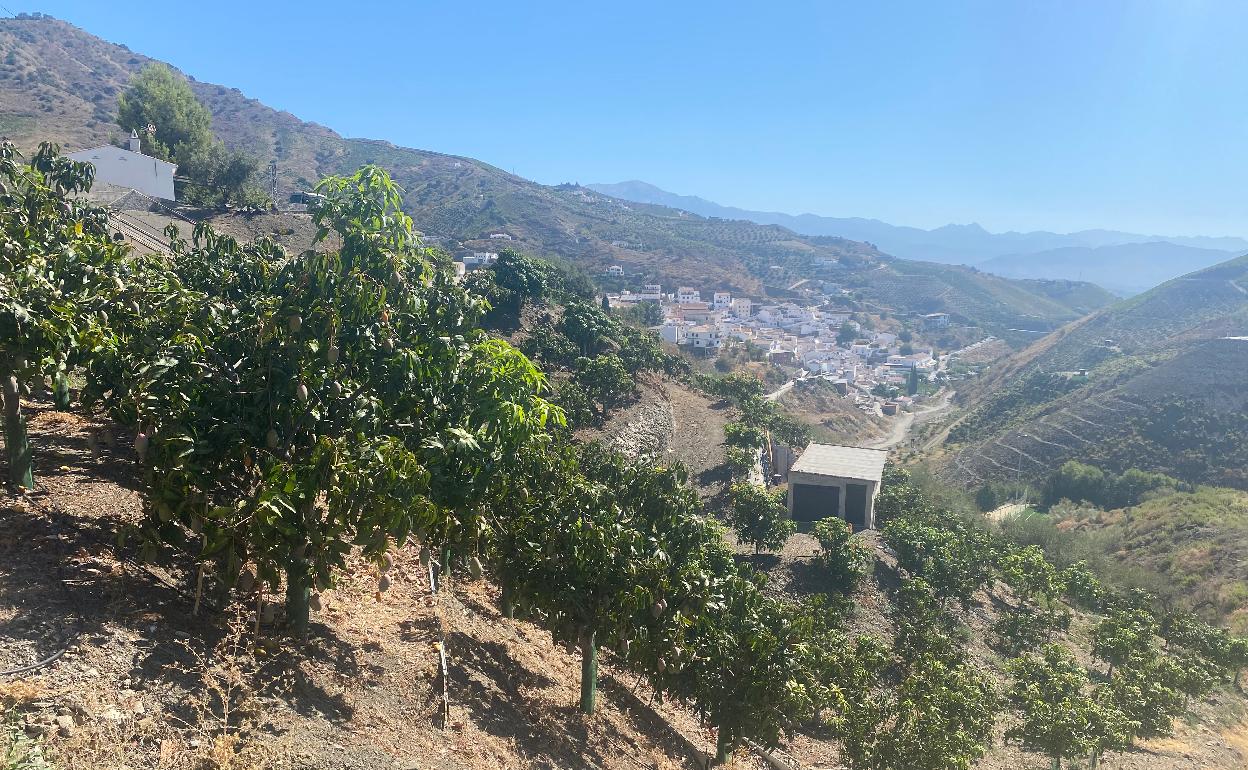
[[836, 481]]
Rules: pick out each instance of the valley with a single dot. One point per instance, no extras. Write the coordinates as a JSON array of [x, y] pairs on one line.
[[390, 458]]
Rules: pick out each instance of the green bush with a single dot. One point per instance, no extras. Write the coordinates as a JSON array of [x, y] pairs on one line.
[[845, 559], [760, 517]]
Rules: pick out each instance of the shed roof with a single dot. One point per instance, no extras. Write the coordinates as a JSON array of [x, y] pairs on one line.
[[848, 462]]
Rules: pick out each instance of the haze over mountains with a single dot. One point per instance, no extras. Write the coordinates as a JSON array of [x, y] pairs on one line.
[[1126, 263]]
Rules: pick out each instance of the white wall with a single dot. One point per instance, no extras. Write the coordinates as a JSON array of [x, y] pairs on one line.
[[124, 168]]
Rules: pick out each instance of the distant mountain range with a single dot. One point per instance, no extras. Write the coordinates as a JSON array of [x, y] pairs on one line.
[[61, 84], [1124, 269], [1126, 263]]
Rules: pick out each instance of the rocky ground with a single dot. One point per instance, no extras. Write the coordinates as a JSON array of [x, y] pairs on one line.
[[672, 422]]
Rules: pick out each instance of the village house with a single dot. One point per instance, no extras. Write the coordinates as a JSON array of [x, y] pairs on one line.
[[920, 360], [673, 332], [686, 295], [721, 300], [615, 271], [704, 337], [480, 259], [651, 292], [130, 168]]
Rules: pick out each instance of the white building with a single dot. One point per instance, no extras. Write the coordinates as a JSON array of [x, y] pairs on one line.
[[685, 295], [615, 271], [130, 168], [835, 319], [841, 481], [704, 337], [480, 259], [722, 300], [742, 307], [651, 292], [673, 333], [500, 237]]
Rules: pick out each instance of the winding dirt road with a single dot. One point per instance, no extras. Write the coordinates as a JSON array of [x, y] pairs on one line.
[[907, 421]]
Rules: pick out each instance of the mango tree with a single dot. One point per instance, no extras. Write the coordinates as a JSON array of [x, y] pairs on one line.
[[607, 550], [845, 560], [302, 406], [759, 516], [942, 714], [1058, 716], [59, 270], [953, 559], [749, 672]]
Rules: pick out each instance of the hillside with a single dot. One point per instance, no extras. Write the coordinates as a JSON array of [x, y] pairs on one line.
[[64, 83], [1124, 268], [1194, 545], [954, 244], [140, 684], [835, 418], [1014, 310], [1155, 382], [136, 688]]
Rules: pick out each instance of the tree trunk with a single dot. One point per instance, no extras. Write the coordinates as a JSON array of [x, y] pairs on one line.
[[21, 472], [723, 747], [1094, 760], [1057, 763], [60, 392], [509, 606], [589, 672], [298, 592]]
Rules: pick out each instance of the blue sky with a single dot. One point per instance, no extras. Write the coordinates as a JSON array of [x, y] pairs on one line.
[[1016, 115]]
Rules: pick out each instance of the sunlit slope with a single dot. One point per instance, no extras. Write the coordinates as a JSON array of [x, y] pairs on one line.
[[1159, 381]]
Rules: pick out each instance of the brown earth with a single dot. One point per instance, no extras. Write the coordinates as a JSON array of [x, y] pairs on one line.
[[669, 422], [139, 681]]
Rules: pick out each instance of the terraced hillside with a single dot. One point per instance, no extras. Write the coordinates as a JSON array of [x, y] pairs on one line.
[[1155, 382], [63, 83], [1014, 310]]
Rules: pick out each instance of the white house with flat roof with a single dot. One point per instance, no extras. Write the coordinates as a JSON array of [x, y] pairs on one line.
[[836, 481], [707, 337], [130, 168]]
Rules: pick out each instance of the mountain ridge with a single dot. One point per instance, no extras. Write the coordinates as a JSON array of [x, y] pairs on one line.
[[952, 243], [1153, 382], [64, 84], [1125, 269]]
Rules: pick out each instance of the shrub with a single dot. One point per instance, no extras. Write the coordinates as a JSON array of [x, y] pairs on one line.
[[760, 517], [845, 559]]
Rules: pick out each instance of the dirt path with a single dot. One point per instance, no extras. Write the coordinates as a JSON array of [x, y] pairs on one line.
[[780, 391], [907, 421]]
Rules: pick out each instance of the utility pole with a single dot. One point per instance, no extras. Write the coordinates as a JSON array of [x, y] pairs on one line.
[[273, 179]]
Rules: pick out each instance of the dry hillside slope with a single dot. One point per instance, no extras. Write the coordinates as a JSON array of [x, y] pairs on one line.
[[1155, 382]]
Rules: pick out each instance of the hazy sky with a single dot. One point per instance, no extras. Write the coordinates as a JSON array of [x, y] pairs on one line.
[[1016, 115]]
